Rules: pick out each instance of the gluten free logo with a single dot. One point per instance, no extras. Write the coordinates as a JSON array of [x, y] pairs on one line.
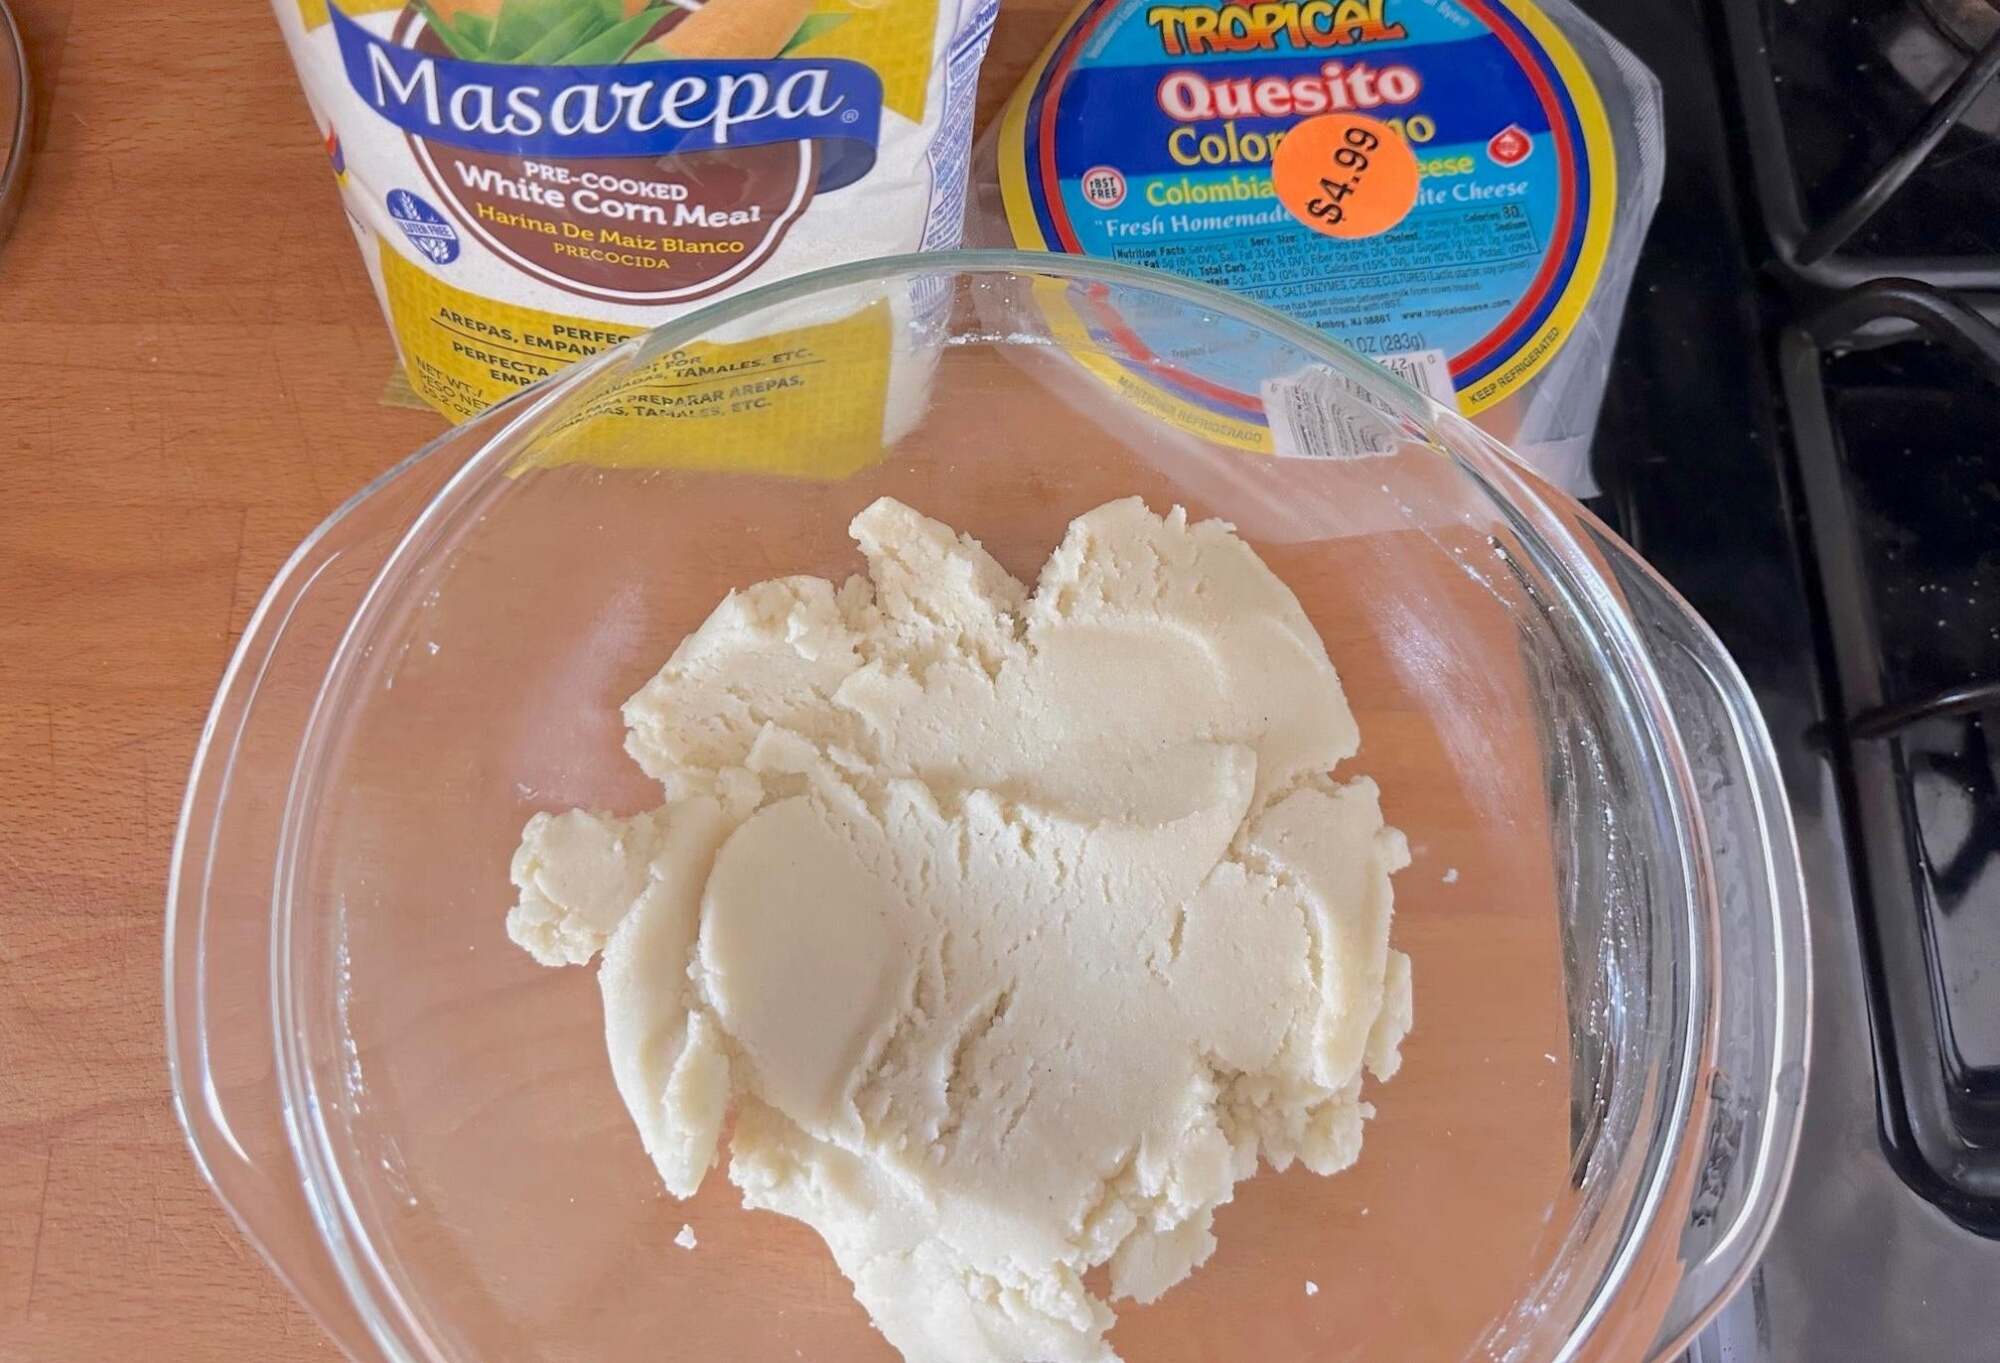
[[426, 228]]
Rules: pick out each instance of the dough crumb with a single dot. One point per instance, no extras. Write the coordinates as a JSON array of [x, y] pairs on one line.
[[1005, 931]]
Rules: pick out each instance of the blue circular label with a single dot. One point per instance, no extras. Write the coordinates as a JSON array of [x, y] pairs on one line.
[[1146, 134], [424, 226]]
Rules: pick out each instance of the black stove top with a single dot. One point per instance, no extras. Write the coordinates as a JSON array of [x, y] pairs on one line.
[[1803, 434], [1901, 484]]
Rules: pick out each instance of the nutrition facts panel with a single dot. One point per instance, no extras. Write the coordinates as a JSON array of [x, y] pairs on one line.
[[1361, 291]]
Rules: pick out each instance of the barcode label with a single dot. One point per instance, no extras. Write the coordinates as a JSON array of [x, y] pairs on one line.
[[1427, 371], [1318, 413]]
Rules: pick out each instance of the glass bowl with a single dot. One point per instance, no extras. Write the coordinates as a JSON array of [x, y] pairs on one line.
[[417, 1126]]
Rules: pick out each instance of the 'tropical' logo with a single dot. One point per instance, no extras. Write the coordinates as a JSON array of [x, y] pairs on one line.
[[1257, 26]]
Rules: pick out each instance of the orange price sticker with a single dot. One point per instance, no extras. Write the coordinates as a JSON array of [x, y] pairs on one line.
[[1345, 175]]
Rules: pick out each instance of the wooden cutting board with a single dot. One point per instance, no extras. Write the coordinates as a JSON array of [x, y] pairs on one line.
[[190, 370], [190, 361]]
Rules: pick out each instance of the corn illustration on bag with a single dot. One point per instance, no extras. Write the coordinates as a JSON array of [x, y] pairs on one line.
[[533, 180]]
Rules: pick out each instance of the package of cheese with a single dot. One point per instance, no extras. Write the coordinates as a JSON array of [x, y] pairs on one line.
[[533, 180], [1455, 188]]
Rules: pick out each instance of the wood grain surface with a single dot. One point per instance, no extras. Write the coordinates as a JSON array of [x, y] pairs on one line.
[[190, 359], [190, 370]]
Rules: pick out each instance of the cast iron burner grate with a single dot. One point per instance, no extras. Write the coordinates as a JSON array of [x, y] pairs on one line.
[[1894, 393], [1874, 134]]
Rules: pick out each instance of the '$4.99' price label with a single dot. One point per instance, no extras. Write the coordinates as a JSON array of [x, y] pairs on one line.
[[1345, 175]]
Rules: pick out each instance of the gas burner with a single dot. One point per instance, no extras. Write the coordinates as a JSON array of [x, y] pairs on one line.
[[1971, 24], [1874, 135], [1929, 49]]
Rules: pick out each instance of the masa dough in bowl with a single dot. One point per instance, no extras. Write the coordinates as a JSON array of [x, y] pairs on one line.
[[1012, 927]]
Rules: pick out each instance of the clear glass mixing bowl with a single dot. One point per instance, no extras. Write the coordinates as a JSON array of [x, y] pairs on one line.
[[417, 1126]]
